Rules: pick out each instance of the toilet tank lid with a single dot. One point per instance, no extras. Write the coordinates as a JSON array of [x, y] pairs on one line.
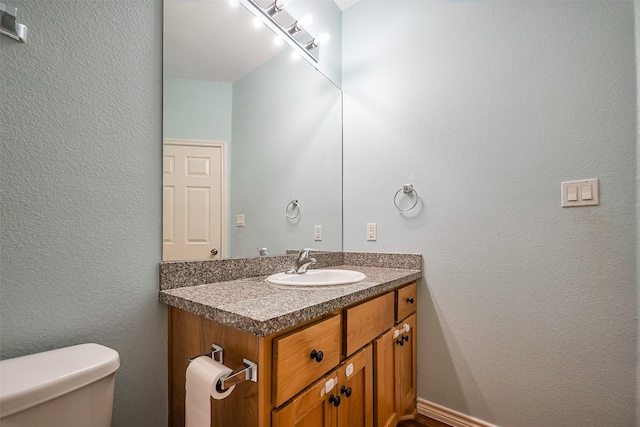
[[30, 380]]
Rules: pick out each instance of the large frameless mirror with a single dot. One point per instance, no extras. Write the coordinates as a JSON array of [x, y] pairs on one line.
[[252, 139]]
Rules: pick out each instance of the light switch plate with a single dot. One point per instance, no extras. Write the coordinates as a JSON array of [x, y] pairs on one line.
[[239, 220], [579, 190], [317, 233], [372, 231]]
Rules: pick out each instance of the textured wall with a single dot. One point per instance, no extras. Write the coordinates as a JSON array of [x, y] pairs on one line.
[[526, 313], [80, 133], [637, 27]]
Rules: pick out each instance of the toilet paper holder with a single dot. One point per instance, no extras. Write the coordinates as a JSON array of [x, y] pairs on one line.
[[247, 372], [215, 353]]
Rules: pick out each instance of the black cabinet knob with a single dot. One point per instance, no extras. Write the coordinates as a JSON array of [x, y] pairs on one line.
[[405, 337], [410, 300], [335, 400], [346, 391], [317, 355], [400, 341]]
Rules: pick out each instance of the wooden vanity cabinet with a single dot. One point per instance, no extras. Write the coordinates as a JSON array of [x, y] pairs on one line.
[[395, 363], [372, 376], [312, 407], [343, 398], [366, 321], [385, 397], [302, 356], [406, 366], [355, 388], [406, 301]]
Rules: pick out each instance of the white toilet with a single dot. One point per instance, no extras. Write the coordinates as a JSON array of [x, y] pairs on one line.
[[71, 386]]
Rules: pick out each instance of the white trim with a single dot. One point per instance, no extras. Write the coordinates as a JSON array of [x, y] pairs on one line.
[[224, 178], [448, 416], [194, 142]]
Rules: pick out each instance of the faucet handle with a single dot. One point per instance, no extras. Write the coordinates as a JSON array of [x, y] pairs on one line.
[[305, 252]]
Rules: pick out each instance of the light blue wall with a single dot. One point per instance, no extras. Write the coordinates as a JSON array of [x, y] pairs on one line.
[[197, 109], [80, 235], [527, 310], [287, 144]]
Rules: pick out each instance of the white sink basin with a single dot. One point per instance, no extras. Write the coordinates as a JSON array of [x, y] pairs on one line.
[[319, 277]]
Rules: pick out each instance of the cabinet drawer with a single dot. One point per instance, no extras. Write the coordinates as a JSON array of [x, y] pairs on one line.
[[294, 367], [406, 301], [366, 321]]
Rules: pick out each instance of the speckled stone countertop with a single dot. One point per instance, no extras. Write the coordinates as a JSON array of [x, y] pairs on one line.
[[255, 306]]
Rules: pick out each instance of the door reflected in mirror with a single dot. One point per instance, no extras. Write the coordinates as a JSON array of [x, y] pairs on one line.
[[247, 130]]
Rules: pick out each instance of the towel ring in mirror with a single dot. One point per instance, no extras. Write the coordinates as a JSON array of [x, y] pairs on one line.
[[293, 209], [406, 189]]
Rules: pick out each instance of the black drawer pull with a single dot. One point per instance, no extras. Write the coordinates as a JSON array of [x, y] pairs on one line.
[[346, 391], [335, 400], [402, 339], [317, 355], [410, 300]]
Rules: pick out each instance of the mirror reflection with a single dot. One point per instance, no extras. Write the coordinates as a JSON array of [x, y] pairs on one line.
[[252, 140]]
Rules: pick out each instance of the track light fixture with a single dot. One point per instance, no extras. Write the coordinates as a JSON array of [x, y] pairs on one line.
[[291, 30]]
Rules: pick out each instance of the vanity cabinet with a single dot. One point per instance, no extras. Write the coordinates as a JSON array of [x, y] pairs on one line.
[[343, 398], [349, 368], [395, 362], [302, 356]]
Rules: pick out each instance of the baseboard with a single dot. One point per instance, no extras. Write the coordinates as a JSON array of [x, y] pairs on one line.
[[448, 416]]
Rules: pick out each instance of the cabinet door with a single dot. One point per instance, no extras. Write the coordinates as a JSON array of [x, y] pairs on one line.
[[384, 394], [355, 385], [313, 407], [406, 365]]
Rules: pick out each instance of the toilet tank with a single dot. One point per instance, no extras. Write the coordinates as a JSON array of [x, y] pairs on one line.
[[71, 386]]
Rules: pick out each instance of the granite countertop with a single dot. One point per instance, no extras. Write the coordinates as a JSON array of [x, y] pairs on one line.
[[257, 307]]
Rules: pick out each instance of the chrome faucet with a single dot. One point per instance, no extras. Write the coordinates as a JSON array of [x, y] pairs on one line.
[[302, 262]]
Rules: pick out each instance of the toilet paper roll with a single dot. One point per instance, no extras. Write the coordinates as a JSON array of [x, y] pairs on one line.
[[203, 374]]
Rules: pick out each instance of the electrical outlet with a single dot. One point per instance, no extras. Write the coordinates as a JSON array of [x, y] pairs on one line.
[[372, 231], [239, 220], [317, 233]]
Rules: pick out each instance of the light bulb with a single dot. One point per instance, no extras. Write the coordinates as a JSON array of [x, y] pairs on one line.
[[304, 21], [276, 7], [321, 39], [277, 41], [299, 24], [295, 56], [257, 23]]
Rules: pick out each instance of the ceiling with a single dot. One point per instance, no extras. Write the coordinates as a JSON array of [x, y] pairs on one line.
[[345, 4], [215, 40]]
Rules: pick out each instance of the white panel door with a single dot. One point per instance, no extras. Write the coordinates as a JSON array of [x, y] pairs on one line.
[[192, 202]]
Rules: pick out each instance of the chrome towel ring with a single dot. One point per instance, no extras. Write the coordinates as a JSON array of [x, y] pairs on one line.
[[293, 209], [406, 189]]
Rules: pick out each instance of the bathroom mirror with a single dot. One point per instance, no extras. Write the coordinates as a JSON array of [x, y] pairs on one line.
[[252, 139]]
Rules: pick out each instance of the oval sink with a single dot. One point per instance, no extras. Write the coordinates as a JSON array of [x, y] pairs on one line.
[[319, 277]]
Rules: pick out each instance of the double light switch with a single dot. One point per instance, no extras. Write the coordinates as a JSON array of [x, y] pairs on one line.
[[580, 193]]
